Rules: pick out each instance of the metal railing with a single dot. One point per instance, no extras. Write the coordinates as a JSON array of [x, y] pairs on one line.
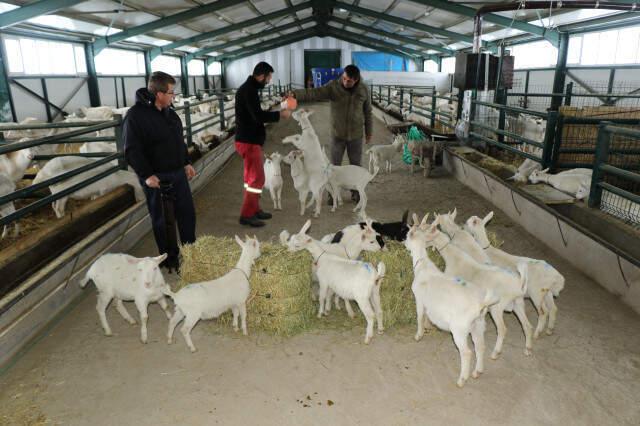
[[615, 183]]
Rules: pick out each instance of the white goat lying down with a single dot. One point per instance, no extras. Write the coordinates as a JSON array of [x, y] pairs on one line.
[[568, 181], [544, 281], [273, 179], [382, 155], [451, 303], [509, 286], [349, 279], [210, 299], [123, 277]]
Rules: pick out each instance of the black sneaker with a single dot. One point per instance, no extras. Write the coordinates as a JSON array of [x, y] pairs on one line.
[[355, 196], [252, 221], [263, 215]]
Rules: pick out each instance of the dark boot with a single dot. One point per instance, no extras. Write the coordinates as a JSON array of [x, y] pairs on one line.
[[329, 200], [252, 221], [355, 196], [263, 215]]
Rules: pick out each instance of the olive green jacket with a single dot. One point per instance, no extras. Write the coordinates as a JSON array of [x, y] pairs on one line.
[[350, 109]]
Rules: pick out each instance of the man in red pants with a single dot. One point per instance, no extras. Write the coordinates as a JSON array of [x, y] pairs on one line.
[[250, 136]]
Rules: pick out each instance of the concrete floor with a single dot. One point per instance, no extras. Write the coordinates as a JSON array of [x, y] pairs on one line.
[[587, 373]]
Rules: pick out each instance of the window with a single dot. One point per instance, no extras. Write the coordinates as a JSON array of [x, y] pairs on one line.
[[195, 67], [215, 68], [430, 66], [31, 56], [168, 64], [449, 65], [119, 62], [377, 61], [606, 47], [540, 54]]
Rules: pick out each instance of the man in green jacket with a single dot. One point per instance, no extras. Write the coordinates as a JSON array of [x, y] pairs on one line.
[[350, 115]]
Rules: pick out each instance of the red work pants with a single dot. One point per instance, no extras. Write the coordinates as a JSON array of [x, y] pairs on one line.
[[253, 177]]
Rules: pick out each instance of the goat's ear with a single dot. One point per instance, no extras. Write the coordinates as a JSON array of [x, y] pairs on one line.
[[239, 241], [160, 258], [424, 220], [454, 214], [545, 170], [305, 227], [487, 218], [416, 221]]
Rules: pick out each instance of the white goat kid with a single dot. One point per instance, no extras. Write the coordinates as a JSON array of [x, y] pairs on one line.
[[451, 304], [13, 164], [210, 299], [273, 179], [381, 155], [349, 279], [300, 179], [349, 177], [507, 285], [544, 281], [127, 278]]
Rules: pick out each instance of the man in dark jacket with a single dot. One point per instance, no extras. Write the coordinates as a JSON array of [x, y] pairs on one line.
[[154, 147], [351, 115], [250, 136]]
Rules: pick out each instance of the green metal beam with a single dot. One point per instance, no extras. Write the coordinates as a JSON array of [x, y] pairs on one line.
[[360, 39], [92, 76], [184, 76], [251, 37], [196, 12], [270, 44], [398, 37], [7, 110], [228, 29], [503, 21], [405, 22], [34, 9]]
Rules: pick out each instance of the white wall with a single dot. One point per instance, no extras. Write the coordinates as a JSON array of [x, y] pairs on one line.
[[440, 80], [59, 91], [288, 61]]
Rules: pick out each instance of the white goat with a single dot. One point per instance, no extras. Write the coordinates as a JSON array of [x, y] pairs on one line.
[[273, 179], [349, 279], [127, 278], [525, 169], [349, 177], [460, 237], [544, 281], [300, 179], [568, 181], [315, 161], [93, 147], [210, 299], [7, 186], [13, 164], [381, 155], [102, 113], [452, 304], [506, 284]]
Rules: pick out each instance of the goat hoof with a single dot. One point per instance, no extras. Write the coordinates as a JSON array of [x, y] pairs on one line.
[[536, 335], [417, 337], [236, 329], [193, 350], [133, 322], [527, 352], [244, 333], [367, 340], [108, 333], [143, 340], [549, 332], [476, 374], [169, 341], [460, 383], [495, 355], [381, 331]]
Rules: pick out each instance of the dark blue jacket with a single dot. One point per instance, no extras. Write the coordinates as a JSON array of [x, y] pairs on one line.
[[250, 117]]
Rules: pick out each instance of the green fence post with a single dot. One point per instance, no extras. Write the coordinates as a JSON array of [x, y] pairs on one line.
[[552, 140], [187, 122], [221, 108], [410, 101], [601, 157], [568, 92], [501, 98], [433, 109], [120, 141], [401, 99]]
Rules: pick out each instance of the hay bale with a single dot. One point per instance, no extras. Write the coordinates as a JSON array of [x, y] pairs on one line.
[[280, 299]]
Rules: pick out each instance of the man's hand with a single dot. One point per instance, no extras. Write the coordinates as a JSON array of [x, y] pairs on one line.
[[368, 139], [190, 171], [152, 182], [285, 113]]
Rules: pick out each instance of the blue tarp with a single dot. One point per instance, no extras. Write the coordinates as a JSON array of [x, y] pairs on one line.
[[377, 61]]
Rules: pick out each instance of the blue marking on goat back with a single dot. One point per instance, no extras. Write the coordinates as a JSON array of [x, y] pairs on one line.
[[368, 267], [460, 281]]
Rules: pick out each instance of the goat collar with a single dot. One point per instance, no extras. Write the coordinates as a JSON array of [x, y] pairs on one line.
[[443, 247], [488, 245], [315, 262], [243, 273]]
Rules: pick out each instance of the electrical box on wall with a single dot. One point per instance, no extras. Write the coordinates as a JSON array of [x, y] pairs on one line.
[[467, 68]]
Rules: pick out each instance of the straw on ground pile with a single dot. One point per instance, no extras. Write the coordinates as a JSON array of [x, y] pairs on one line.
[[280, 301]]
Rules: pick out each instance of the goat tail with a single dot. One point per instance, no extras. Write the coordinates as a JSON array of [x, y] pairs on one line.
[[380, 273], [523, 269], [376, 169], [85, 280], [490, 298]]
